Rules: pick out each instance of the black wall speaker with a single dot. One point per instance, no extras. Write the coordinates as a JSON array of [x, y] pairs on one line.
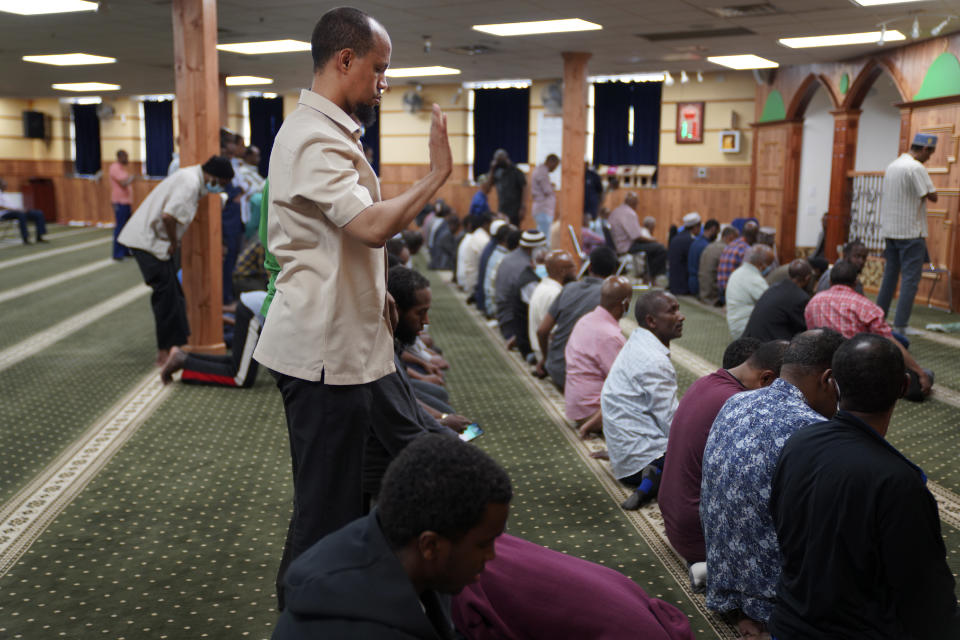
[[34, 124]]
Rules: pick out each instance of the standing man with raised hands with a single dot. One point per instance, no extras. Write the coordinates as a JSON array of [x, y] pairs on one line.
[[328, 335]]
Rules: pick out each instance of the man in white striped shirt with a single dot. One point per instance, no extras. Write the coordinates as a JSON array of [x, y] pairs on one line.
[[903, 226]]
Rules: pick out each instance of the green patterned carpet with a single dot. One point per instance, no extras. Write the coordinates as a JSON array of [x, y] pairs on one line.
[[179, 534]]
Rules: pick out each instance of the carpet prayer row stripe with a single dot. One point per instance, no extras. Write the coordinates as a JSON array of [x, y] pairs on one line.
[[39, 341], [39, 285], [647, 521], [17, 242], [28, 514], [53, 252]]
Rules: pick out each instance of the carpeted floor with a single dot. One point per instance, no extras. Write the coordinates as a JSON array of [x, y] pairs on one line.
[[179, 534]]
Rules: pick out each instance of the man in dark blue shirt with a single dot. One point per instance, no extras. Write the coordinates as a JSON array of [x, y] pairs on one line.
[[679, 252]]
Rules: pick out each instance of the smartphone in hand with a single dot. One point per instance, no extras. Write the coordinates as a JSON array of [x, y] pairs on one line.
[[471, 432]]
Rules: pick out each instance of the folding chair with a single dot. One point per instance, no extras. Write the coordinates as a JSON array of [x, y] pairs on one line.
[[932, 272], [584, 259]]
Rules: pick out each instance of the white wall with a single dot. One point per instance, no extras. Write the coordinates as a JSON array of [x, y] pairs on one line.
[[815, 161], [879, 132]]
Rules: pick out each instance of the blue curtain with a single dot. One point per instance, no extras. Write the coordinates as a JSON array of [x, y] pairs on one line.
[[611, 121], [266, 116], [371, 138], [86, 126], [158, 125], [501, 119]]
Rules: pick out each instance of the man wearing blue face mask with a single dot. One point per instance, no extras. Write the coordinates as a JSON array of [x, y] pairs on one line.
[[154, 232]]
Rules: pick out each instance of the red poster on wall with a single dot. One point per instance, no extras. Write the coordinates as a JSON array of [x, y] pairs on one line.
[[690, 122]]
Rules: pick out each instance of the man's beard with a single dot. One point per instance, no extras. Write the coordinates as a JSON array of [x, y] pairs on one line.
[[404, 335], [366, 114]]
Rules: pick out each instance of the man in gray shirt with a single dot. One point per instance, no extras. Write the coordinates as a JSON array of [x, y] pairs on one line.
[[576, 299]]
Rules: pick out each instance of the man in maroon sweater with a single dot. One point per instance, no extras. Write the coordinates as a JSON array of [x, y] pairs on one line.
[[679, 495]]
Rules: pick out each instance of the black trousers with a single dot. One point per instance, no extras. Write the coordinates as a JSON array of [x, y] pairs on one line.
[[327, 426], [238, 369], [169, 305], [656, 255]]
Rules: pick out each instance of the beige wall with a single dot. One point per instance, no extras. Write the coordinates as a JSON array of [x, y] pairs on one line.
[[404, 136], [723, 93], [12, 143]]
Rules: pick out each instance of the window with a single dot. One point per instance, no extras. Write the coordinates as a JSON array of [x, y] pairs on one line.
[[86, 141], [158, 136], [266, 116], [501, 120], [626, 123]]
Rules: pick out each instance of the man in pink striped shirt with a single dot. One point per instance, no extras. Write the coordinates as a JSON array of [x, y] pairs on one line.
[[594, 343]]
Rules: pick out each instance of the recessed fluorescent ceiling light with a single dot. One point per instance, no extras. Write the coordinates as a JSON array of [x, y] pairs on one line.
[[69, 59], [873, 3], [539, 26], [416, 72], [35, 7], [267, 46], [239, 81], [870, 37], [85, 86], [748, 61]]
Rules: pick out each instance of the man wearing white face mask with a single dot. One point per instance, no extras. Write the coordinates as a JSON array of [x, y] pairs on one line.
[[154, 232]]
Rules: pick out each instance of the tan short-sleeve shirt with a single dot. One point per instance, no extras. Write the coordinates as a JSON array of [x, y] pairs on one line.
[[177, 196], [327, 321]]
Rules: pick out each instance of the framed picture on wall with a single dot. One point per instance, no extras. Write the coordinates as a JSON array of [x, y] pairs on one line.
[[730, 141], [690, 122]]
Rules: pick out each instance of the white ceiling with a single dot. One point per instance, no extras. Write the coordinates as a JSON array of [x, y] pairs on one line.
[[138, 34]]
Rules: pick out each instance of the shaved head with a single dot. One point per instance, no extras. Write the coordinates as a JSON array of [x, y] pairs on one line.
[[614, 291], [560, 265]]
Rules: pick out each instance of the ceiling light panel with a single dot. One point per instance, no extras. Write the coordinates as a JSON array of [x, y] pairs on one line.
[[242, 81], [746, 61], [266, 46], [537, 27], [38, 7], [85, 86], [69, 59], [417, 72], [869, 37]]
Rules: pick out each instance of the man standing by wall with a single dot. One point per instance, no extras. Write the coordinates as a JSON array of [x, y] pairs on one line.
[[328, 336], [903, 226], [121, 197], [544, 199], [511, 186]]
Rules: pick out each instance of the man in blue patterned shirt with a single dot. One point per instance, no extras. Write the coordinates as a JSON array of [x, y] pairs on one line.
[[743, 561]]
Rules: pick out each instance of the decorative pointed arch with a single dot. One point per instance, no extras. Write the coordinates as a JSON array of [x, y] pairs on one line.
[[865, 80], [806, 91]]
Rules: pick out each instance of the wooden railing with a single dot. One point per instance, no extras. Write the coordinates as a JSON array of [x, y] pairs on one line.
[[866, 188]]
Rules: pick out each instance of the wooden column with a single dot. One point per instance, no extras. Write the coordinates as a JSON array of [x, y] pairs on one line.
[[198, 108], [570, 210], [224, 107], [845, 127]]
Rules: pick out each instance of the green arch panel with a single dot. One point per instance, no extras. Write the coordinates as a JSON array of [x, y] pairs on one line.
[[773, 108], [844, 83], [942, 79]]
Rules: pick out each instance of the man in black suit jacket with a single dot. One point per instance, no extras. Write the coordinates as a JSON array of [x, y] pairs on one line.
[[778, 314]]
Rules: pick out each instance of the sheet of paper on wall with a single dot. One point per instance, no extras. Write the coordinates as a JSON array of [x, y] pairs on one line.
[[549, 140]]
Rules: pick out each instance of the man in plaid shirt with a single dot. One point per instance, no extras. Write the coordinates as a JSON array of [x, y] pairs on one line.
[[844, 310], [732, 256]]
